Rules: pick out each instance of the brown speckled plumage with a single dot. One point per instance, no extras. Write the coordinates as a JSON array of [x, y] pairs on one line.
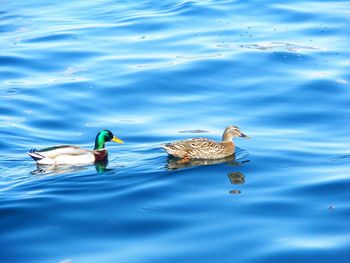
[[202, 148]]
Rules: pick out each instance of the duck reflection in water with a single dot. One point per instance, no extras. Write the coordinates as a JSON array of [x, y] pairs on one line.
[[236, 178], [42, 169], [174, 163]]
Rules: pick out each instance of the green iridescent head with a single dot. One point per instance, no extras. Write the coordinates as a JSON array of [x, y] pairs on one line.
[[105, 136]]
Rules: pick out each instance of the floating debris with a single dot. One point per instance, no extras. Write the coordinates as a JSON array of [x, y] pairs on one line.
[[194, 131], [277, 46], [199, 57], [70, 71]]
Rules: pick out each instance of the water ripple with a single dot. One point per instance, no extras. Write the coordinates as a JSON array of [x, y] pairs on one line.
[[156, 72]]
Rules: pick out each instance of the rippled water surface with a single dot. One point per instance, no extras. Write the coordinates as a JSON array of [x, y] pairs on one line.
[[160, 71]]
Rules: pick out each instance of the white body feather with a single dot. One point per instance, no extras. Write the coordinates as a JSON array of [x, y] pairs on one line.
[[64, 154]]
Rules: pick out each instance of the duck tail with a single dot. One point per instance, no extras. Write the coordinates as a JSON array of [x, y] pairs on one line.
[[35, 155], [173, 150], [168, 147]]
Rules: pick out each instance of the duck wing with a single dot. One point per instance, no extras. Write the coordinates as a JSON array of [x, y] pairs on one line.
[[192, 147], [53, 152], [204, 148]]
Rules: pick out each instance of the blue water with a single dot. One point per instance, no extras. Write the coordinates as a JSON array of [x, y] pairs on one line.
[[159, 71]]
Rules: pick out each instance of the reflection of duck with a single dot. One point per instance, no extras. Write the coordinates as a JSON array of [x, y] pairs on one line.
[[101, 167], [236, 178], [73, 155], [176, 163], [205, 149], [43, 169]]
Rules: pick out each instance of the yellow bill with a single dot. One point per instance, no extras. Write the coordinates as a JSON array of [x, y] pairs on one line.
[[117, 140]]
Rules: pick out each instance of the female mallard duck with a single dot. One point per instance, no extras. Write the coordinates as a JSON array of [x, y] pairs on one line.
[[73, 155], [202, 148]]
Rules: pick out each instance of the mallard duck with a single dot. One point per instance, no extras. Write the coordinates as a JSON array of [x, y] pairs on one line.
[[202, 148], [74, 155]]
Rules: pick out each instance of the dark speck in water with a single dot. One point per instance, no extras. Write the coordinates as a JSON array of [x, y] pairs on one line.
[[235, 192]]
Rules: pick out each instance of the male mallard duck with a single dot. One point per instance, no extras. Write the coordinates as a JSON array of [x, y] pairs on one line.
[[202, 148], [73, 155]]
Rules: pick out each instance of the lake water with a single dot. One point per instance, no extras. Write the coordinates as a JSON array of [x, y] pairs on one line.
[[159, 71]]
